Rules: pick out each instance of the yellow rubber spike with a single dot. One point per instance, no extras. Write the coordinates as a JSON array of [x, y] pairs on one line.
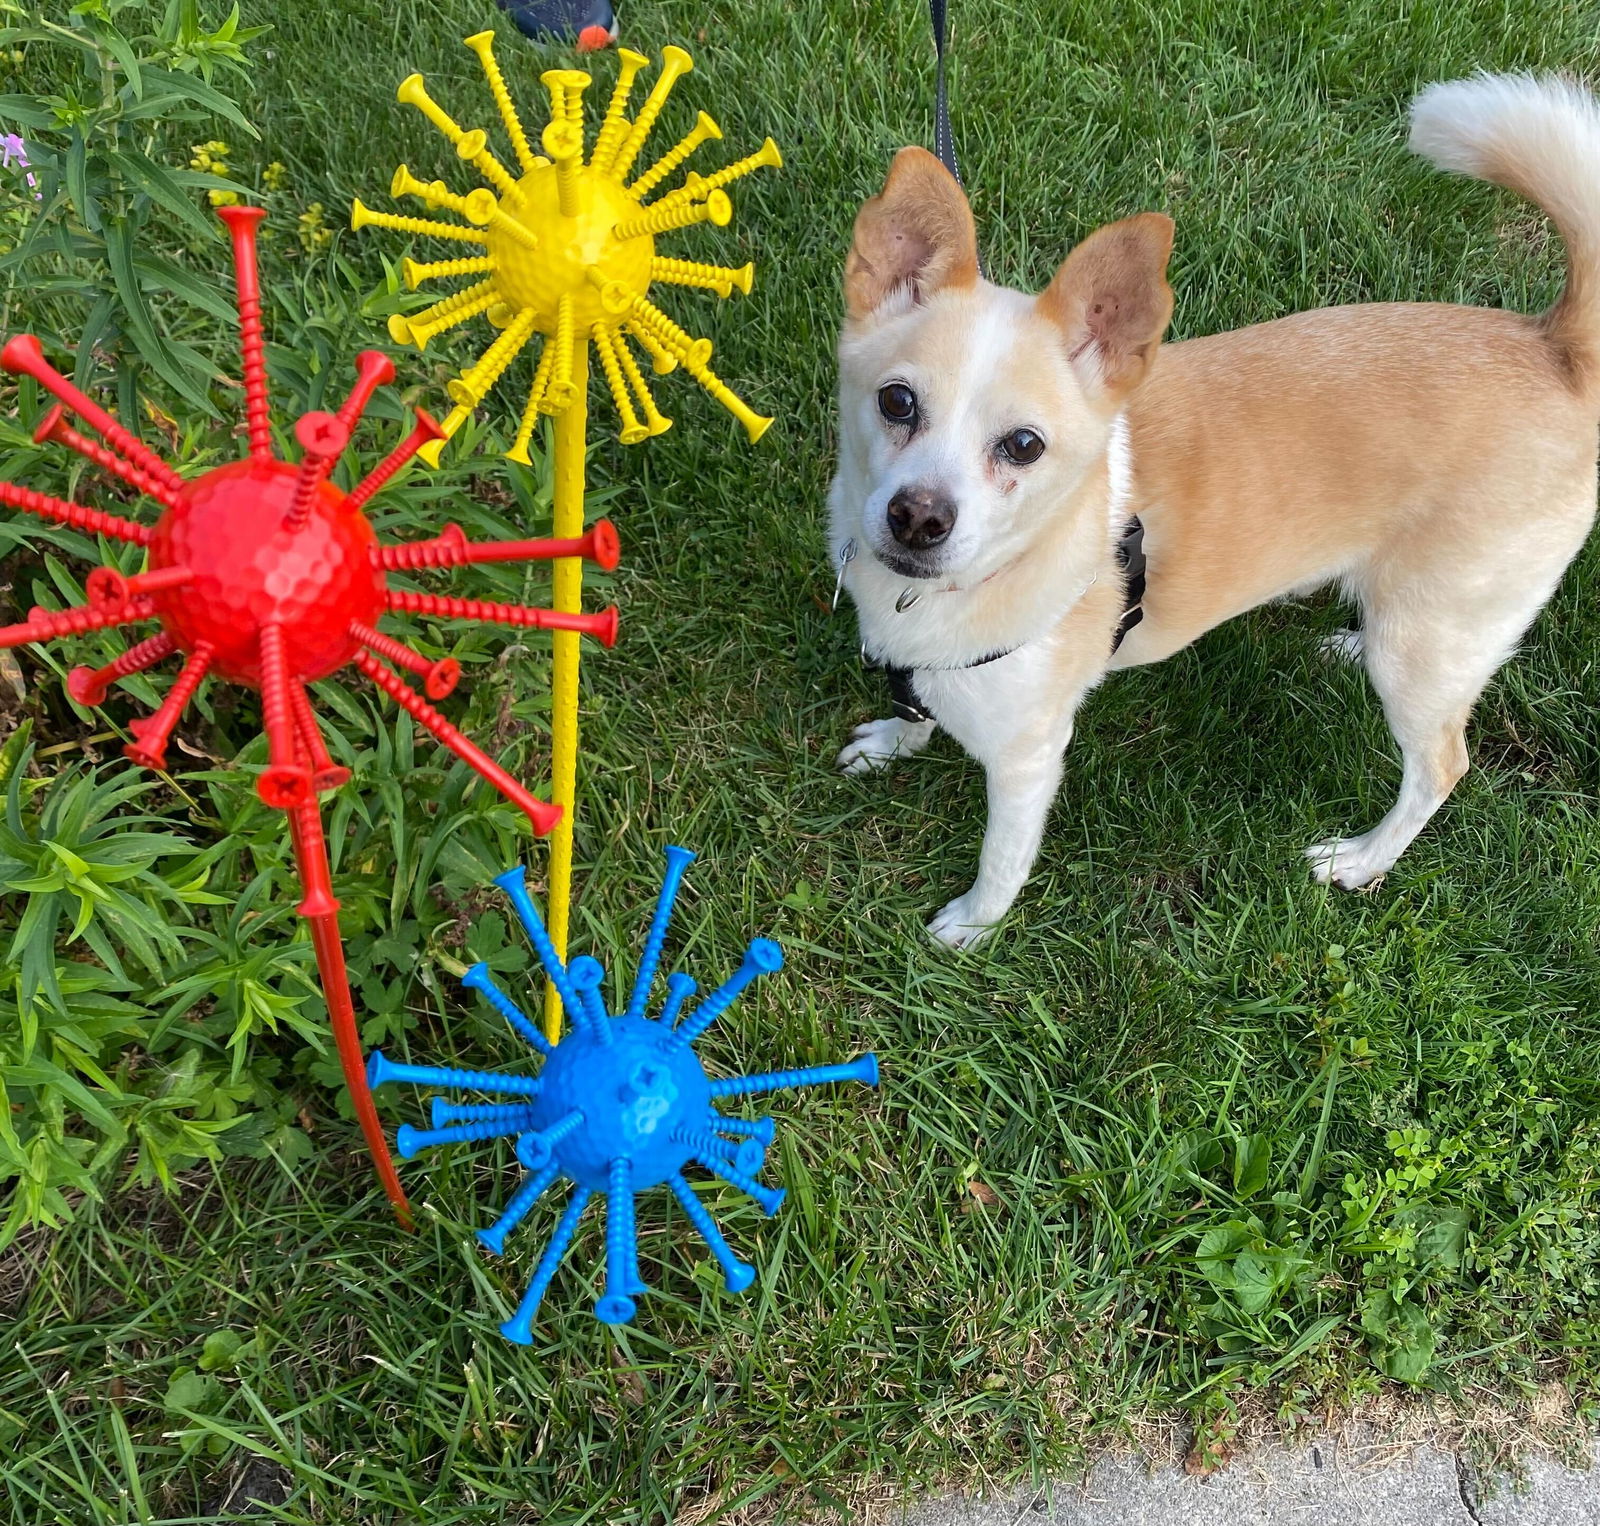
[[450, 423], [400, 323], [615, 125], [559, 394], [674, 63], [503, 222], [654, 419], [755, 425], [765, 157], [470, 388], [722, 279], [482, 43], [412, 92], [419, 328], [404, 183], [471, 146], [663, 361], [632, 431], [530, 413], [563, 141], [663, 218], [362, 216], [473, 149], [566, 87], [698, 187], [703, 130], [418, 271], [672, 338], [477, 207]]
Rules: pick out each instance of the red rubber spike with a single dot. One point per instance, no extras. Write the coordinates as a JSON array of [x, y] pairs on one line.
[[88, 686], [322, 437], [79, 515], [55, 430], [242, 223], [374, 369], [427, 428], [603, 626], [23, 356], [325, 773], [452, 549], [439, 679], [149, 749], [106, 585], [543, 815], [47, 624], [286, 782], [320, 910]]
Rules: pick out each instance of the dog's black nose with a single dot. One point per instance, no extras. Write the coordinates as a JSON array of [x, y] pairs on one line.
[[920, 518]]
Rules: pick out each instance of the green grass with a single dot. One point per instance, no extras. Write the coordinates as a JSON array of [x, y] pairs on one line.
[[1175, 1035]]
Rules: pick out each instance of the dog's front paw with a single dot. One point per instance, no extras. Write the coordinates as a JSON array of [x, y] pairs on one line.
[[958, 926], [875, 744], [1351, 863]]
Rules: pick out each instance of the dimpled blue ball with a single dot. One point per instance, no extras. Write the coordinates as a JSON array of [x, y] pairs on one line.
[[633, 1093]]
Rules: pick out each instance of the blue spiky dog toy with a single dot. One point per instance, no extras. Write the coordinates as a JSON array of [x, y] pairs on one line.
[[621, 1105]]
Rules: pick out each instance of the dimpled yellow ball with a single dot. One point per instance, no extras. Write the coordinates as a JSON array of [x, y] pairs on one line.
[[569, 248]]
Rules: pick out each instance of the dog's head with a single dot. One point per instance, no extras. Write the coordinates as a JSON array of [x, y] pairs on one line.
[[968, 411]]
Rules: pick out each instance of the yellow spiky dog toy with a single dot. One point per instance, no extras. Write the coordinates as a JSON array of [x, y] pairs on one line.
[[569, 252]]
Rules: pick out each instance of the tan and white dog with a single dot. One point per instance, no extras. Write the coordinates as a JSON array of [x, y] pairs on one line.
[[1436, 462]]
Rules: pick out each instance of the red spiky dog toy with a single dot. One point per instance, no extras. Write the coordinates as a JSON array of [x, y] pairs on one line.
[[265, 573]]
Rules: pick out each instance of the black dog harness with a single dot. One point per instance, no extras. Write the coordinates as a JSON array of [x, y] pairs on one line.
[[1130, 558]]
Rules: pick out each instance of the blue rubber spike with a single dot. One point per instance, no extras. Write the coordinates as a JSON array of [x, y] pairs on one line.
[[763, 957], [615, 1307], [770, 1198], [410, 1141], [678, 861], [515, 884], [535, 1150], [764, 1129], [519, 1328], [587, 976], [494, 1237], [679, 989], [864, 1068], [442, 1114], [381, 1069], [748, 1156], [478, 979], [737, 1275]]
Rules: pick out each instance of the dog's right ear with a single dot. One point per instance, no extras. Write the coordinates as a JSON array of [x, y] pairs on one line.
[[916, 235]]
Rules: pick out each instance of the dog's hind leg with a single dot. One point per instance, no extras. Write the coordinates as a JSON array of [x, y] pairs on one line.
[[1429, 653], [875, 744]]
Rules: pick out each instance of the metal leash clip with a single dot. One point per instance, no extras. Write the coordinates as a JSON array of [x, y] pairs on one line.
[[847, 554]]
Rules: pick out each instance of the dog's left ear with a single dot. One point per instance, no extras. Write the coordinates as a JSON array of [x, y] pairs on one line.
[[1111, 301]]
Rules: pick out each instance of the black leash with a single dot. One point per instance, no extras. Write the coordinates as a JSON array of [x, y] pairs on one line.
[[944, 141], [944, 138]]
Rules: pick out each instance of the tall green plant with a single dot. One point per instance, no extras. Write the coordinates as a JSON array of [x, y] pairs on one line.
[[99, 256]]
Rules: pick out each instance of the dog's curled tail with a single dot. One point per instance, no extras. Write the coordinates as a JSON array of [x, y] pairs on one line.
[[1540, 137]]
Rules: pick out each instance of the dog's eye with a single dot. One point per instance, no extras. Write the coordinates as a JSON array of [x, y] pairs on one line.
[[1022, 447], [897, 403]]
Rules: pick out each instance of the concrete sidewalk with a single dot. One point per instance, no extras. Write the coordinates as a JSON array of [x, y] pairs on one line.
[[1355, 1481]]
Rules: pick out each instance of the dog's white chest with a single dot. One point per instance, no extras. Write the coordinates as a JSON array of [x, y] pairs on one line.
[[987, 708]]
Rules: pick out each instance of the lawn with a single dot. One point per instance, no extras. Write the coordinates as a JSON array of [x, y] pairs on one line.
[[1190, 1133]]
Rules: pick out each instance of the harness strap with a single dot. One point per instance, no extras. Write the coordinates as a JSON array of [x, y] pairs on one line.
[[1130, 557], [908, 705]]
